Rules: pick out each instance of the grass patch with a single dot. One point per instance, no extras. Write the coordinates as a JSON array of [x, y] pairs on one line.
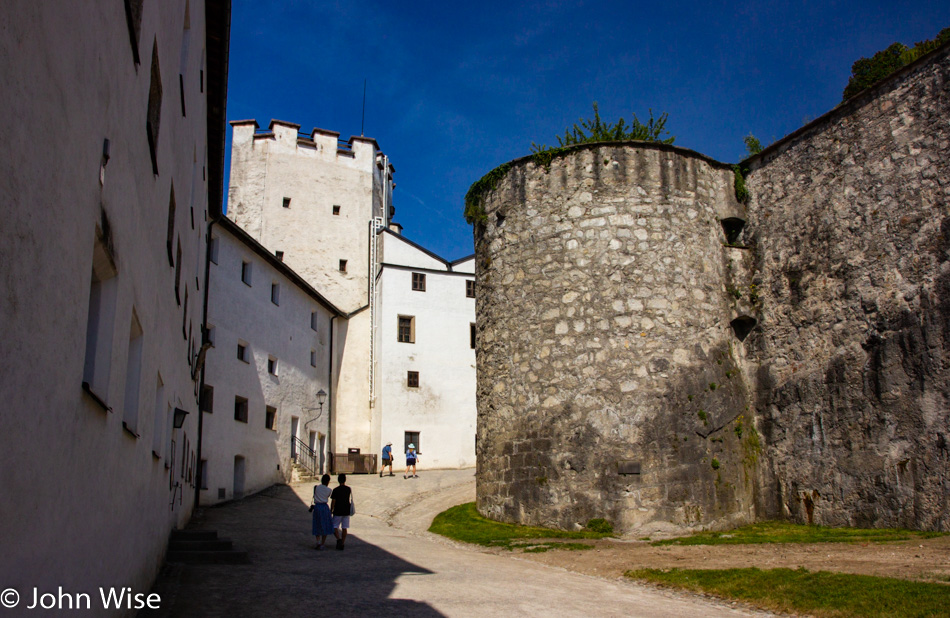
[[540, 548], [786, 532], [463, 523], [818, 593]]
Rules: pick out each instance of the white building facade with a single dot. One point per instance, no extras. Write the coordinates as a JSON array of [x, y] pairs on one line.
[[326, 206], [272, 337], [114, 117], [426, 354]]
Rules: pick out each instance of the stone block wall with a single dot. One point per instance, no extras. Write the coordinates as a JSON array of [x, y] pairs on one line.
[[851, 227], [609, 380]]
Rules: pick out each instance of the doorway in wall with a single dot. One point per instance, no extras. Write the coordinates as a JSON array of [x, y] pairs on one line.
[[238, 477], [294, 421]]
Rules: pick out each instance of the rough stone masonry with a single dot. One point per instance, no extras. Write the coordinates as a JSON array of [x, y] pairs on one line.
[[653, 352]]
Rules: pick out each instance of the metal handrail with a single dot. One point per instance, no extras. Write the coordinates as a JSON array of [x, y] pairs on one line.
[[306, 457]]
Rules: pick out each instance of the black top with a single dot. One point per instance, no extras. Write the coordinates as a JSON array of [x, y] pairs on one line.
[[341, 494]]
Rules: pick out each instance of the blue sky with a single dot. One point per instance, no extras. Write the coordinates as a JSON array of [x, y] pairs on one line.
[[455, 89]]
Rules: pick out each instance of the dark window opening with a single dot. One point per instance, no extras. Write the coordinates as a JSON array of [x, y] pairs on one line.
[[178, 273], [286, 202], [732, 227], [133, 17], [206, 400], [472, 335], [412, 379], [406, 331], [270, 417], [336, 210], [170, 236], [240, 409], [280, 255], [154, 108], [412, 437], [470, 288], [742, 326], [181, 90], [342, 266]]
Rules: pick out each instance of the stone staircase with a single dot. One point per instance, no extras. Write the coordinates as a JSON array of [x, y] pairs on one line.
[[202, 547], [302, 474]]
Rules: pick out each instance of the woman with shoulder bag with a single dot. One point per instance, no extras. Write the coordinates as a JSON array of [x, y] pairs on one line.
[[322, 520]]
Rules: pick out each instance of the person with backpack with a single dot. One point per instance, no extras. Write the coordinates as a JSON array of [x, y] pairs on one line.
[[387, 459]]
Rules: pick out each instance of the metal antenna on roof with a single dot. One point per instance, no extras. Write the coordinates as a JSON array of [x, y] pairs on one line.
[[363, 121]]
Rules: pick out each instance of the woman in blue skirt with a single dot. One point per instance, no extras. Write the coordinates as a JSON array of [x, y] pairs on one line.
[[322, 521]]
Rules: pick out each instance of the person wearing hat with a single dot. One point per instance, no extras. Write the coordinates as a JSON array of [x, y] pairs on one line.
[[387, 459], [411, 457]]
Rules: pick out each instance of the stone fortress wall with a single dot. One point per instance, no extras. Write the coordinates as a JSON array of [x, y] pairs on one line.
[[850, 220], [653, 352]]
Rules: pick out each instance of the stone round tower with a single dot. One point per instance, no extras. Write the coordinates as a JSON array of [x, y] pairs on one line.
[[612, 296]]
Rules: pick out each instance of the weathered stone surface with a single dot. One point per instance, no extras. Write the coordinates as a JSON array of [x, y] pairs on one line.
[[796, 367], [851, 223], [617, 347]]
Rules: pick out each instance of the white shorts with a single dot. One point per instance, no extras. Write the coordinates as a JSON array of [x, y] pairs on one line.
[[341, 521]]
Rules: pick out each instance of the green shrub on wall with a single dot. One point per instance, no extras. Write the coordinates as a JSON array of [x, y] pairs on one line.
[[866, 72]]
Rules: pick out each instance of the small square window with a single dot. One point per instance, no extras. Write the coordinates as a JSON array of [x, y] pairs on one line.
[[419, 282], [246, 272], [470, 288], [243, 353], [275, 293], [406, 331], [472, 334], [270, 417], [412, 379], [272, 365], [313, 358], [313, 321], [336, 210], [280, 255], [412, 437], [286, 202], [342, 266], [240, 409]]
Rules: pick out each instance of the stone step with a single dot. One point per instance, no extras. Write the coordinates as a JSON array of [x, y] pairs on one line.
[[232, 556], [200, 545], [194, 534]]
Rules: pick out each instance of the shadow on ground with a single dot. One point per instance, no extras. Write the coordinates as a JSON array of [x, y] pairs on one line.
[[286, 576]]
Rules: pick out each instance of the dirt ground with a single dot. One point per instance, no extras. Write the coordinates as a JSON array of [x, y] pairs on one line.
[[920, 559]]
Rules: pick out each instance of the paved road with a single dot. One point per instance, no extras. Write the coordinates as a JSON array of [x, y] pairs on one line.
[[391, 565]]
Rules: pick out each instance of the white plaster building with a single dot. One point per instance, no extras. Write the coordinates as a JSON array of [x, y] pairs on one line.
[[272, 337], [426, 354], [114, 126], [319, 202]]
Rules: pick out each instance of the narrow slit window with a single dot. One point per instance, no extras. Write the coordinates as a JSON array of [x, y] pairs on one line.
[[272, 366], [471, 335], [100, 322], [133, 375], [154, 116], [470, 288], [275, 293], [270, 417], [342, 266], [246, 272]]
